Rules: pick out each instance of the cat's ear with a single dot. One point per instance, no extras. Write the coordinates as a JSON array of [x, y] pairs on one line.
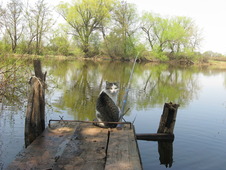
[[107, 83]]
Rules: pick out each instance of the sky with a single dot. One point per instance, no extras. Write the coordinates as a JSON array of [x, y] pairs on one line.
[[208, 15]]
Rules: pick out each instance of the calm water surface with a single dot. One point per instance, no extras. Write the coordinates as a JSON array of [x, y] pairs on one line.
[[73, 87]]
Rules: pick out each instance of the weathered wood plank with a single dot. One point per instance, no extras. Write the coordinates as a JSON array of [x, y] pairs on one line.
[[81, 146], [155, 136], [86, 150], [45, 150], [122, 150]]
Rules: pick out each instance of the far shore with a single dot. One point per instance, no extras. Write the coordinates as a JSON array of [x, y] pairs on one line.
[[217, 62]]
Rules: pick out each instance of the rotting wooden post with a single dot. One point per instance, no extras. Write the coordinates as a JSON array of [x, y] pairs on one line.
[[166, 125], [168, 118], [35, 115]]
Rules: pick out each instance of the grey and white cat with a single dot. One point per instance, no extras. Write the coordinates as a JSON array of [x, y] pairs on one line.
[[106, 105]]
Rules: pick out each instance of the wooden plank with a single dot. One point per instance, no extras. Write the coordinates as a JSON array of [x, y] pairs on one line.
[[86, 150], [155, 136], [81, 146], [45, 150], [122, 150]]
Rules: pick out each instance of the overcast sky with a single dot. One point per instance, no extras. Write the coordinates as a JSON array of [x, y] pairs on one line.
[[209, 15]]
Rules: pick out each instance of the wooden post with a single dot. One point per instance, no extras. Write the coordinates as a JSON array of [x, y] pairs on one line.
[[166, 125], [168, 118], [35, 115], [164, 135]]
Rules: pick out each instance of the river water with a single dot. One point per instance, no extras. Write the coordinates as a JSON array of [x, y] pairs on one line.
[[73, 87]]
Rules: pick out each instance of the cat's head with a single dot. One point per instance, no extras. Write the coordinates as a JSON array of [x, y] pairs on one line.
[[112, 87]]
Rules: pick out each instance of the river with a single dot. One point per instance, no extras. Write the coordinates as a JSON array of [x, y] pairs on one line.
[[74, 85]]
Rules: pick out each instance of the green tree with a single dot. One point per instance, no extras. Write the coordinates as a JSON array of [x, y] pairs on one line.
[[84, 18], [121, 41], [155, 29], [174, 35], [183, 34], [59, 44]]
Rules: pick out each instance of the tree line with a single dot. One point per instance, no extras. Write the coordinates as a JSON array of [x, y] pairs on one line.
[[91, 28]]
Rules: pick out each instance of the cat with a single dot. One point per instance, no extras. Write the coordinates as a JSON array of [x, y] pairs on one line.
[[106, 105]]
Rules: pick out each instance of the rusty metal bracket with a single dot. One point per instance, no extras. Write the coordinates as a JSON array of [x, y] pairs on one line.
[[84, 121]]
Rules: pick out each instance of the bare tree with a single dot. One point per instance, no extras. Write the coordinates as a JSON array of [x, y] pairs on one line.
[[39, 21], [1, 16], [12, 21]]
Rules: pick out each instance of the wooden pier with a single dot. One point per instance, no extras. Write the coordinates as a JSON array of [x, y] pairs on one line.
[[73, 145], [80, 145]]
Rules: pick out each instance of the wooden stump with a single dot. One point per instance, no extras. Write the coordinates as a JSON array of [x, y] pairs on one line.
[[35, 115], [168, 118], [166, 125]]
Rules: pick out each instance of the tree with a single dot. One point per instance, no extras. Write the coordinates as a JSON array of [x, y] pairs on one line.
[[39, 21], [174, 35], [183, 34], [59, 43], [2, 11], [12, 21], [154, 27], [121, 40], [84, 18]]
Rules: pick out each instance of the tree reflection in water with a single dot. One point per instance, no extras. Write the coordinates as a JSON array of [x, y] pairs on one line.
[[73, 87], [81, 82]]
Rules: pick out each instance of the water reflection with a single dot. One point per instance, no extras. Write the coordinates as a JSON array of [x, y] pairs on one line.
[[152, 85], [162, 83], [81, 82], [165, 150], [14, 75], [73, 87]]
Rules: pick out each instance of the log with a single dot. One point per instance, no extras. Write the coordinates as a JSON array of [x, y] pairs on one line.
[[155, 136]]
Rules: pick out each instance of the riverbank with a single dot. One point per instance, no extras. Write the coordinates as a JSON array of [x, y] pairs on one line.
[[215, 62]]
